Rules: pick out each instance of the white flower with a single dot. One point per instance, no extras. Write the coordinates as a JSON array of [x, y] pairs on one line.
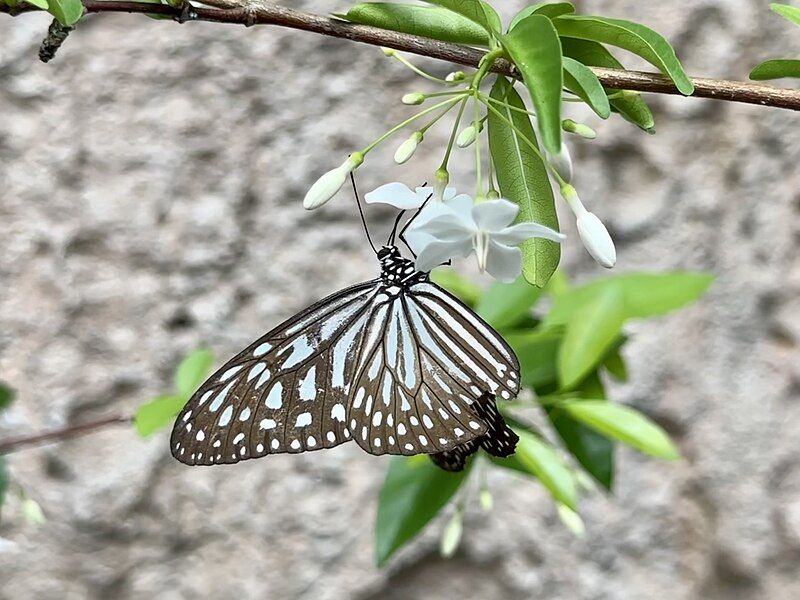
[[580, 129], [401, 196], [331, 182], [406, 150], [562, 162], [457, 227], [593, 233]]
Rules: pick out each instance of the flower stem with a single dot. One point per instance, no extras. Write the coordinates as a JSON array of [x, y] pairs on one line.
[[453, 134], [403, 60], [476, 124], [451, 102]]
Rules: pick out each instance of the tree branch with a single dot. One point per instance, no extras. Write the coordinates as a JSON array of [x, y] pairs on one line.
[[18, 443], [271, 14]]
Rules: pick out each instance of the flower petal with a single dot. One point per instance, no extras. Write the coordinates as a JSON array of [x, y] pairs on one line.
[[395, 194], [449, 228], [437, 253], [596, 239], [516, 234], [504, 263], [494, 215]]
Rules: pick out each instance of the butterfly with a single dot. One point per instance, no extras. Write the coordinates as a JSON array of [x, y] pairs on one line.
[[396, 364]]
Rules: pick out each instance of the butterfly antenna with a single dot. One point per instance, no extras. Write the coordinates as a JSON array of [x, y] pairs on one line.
[[361, 212], [402, 235], [390, 242]]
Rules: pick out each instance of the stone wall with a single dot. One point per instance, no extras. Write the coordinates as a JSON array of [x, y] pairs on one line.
[[150, 188]]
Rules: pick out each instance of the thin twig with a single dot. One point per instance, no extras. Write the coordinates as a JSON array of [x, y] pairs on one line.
[[270, 14], [18, 443]]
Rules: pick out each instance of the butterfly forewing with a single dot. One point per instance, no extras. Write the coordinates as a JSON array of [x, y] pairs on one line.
[[397, 364], [281, 394]]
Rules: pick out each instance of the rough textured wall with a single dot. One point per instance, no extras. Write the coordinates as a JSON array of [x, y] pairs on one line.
[[150, 187]]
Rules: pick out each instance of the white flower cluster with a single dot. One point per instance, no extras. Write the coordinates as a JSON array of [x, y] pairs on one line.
[[457, 226]]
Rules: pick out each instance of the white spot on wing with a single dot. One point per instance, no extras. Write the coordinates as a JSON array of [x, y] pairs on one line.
[[230, 373], [262, 349], [214, 406], [303, 419], [308, 386], [274, 399], [337, 412], [239, 437], [245, 414], [267, 424], [226, 415], [255, 371]]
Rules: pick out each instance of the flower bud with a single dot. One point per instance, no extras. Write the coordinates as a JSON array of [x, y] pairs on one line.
[[596, 239], [413, 98], [331, 182], [562, 162], [455, 77], [580, 129], [406, 150], [593, 233], [451, 537], [388, 51], [467, 136]]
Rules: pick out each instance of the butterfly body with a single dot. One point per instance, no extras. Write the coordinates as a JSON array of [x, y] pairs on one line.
[[396, 364]]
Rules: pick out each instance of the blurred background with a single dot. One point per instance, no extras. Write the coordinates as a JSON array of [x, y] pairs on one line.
[[151, 180]]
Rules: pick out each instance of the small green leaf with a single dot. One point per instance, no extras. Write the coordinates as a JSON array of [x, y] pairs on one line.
[[590, 333], [475, 10], [537, 352], [427, 21], [536, 51], [543, 461], [68, 12], [572, 521], [192, 371], [7, 395], [504, 305], [615, 365], [581, 80], [3, 481], [458, 285], [550, 10], [644, 294], [624, 424], [593, 451], [776, 69], [630, 36], [43, 4], [787, 12], [157, 414], [522, 177], [630, 105], [414, 492]]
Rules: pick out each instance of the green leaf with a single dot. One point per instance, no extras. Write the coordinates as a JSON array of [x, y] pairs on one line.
[[156, 16], [776, 69], [522, 177], [537, 352], [504, 305], [427, 21], [630, 36], [548, 9], [7, 395], [475, 10], [68, 12], [43, 4], [157, 414], [414, 492], [192, 371], [615, 365], [543, 461], [644, 294], [590, 333], [536, 51], [624, 424], [581, 80], [630, 105], [787, 12], [592, 450], [458, 285]]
